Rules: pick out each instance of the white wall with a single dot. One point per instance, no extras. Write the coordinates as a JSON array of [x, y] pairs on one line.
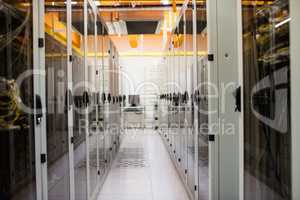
[[141, 76], [147, 76], [137, 71]]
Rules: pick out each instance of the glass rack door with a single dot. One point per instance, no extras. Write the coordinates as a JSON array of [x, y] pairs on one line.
[[92, 121], [17, 135], [191, 104], [56, 64], [267, 134], [202, 103], [79, 124], [100, 89]]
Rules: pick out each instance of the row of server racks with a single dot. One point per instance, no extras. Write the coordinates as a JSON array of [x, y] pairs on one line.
[[261, 100], [178, 104], [56, 57]]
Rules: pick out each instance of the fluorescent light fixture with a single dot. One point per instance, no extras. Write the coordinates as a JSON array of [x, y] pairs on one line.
[[97, 3], [283, 22], [123, 27], [117, 28], [165, 2], [111, 29], [72, 2]]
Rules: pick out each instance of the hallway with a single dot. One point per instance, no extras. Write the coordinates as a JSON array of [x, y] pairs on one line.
[[149, 100], [143, 170]]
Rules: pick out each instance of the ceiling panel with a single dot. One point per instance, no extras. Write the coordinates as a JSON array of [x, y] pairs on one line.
[[141, 27], [154, 15]]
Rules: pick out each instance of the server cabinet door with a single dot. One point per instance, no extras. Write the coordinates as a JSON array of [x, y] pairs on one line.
[[223, 48], [80, 103], [57, 95], [203, 134], [267, 133], [201, 99], [92, 135], [190, 114], [18, 154]]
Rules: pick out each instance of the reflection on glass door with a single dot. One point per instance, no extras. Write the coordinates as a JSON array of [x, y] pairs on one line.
[[102, 96], [92, 121], [181, 99], [100, 88], [56, 61], [17, 137], [107, 104], [202, 103], [79, 134], [267, 136], [203, 148], [191, 111]]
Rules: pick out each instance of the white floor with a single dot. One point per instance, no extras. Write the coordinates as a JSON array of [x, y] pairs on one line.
[[143, 171]]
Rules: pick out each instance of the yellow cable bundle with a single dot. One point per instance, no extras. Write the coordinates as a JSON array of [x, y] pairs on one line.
[[178, 40], [174, 5]]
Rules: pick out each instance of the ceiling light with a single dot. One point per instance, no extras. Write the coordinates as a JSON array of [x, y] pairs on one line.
[[165, 2], [133, 4], [72, 2], [123, 27], [117, 28], [111, 29]]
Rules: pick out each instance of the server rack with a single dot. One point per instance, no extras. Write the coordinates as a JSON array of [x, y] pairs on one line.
[[178, 105], [267, 107], [57, 145], [18, 128]]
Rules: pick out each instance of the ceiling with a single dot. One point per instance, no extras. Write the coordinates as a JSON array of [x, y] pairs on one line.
[[135, 21], [127, 3], [143, 3]]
